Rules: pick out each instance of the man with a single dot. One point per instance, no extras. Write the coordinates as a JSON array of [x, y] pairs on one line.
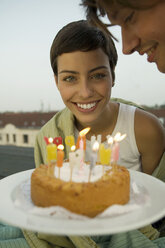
[[142, 25]]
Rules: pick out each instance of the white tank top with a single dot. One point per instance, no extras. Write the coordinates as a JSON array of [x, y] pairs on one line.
[[129, 155]]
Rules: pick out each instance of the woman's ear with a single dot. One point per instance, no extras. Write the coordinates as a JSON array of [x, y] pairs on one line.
[[113, 83], [56, 80]]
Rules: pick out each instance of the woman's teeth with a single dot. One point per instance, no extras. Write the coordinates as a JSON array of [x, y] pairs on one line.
[[86, 106]]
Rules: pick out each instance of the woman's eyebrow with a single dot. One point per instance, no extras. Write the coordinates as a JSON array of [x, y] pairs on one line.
[[99, 67], [68, 71]]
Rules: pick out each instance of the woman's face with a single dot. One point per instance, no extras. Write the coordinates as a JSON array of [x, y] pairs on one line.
[[142, 30], [84, 81]]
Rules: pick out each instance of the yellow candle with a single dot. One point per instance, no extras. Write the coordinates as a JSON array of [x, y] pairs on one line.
[[105, 155], [69, 141], [51, 151], [60, 155]]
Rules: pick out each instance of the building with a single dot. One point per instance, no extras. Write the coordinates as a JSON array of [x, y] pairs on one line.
[[20, 129]]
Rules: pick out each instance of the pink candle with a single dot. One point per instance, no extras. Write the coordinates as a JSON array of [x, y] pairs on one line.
[[115, 152], [116, 147]]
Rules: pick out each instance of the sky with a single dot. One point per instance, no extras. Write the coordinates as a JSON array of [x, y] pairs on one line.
[[28, 28]]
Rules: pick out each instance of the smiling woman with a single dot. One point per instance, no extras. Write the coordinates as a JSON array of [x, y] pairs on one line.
[[85, 88]]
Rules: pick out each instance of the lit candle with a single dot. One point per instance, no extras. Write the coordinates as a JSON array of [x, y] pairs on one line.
[[60, 157], [110, 141], [105, 155], [95, 149], [98, 139], [75, 158], [81, 141], [51, 151], [116, 147], [69, 141], [72, 160], [94, 138], [81, 144]]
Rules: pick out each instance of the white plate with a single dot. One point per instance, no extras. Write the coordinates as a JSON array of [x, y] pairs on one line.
[[126, 222]]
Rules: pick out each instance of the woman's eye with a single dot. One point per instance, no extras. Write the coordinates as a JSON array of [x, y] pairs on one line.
[[98, 76], [129, 17], [69, 79]]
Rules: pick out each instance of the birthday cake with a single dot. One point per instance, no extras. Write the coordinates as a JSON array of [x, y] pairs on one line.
[[81, 193]]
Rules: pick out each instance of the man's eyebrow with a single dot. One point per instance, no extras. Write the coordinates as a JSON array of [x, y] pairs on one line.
[[68, 71], [99, 67], [115, 14]]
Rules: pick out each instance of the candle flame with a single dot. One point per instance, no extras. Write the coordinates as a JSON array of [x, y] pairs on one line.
[[110, 140], [73, 148], [123, 137], [84, 131], [60, 147], [95, 146], [50, 140], [118, 137]]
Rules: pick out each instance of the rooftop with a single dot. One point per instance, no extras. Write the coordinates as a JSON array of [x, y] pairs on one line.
[[25, 119]]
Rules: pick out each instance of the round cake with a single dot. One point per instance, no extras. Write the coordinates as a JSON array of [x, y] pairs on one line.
[[80, 193]]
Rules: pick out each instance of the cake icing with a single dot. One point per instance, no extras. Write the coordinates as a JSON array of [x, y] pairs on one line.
[[79, 175]]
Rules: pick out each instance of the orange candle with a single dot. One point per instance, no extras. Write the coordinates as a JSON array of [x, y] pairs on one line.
[[81, 141], [60, 155]]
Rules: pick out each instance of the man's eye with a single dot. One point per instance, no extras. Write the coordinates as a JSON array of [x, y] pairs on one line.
[[69, 79], [98, 76], [129, 17]]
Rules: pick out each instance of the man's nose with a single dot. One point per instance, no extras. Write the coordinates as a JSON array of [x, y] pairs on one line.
[[130, 41]]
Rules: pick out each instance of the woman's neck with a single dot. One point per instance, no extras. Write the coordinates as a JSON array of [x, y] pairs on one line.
[[105, 125]]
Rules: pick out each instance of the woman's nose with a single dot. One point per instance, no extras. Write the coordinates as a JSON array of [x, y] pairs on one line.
[[85, 90], [130, 41]]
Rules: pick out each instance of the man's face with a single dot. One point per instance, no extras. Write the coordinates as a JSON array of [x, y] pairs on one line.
[[142, 30]]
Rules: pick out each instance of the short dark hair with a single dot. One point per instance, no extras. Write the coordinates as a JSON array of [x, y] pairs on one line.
[[81, 36]]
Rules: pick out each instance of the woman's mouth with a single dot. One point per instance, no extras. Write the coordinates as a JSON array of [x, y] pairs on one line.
[[86, 107]]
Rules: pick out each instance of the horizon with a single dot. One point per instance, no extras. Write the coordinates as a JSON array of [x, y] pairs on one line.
[[27, 81]]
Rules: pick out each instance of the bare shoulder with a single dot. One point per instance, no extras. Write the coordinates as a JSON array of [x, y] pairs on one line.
[[148, 125], [150, 139]]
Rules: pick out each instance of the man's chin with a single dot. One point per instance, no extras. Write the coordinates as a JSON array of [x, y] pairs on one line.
[[161, 68]]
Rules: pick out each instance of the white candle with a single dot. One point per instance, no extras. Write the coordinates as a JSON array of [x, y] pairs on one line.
[[95, 149], [75, 158], [110, 141], [93, 140]]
